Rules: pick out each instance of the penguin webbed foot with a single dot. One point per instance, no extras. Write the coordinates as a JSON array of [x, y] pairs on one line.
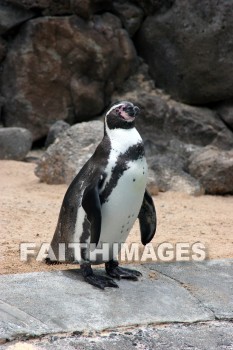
[[96, 280], [114, 270], [100, 281]]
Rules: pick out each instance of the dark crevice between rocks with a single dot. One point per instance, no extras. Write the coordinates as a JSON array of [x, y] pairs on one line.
[[225, 123], [155, 6], [37, 147], [11, 34], [40, 143], [214, 107]]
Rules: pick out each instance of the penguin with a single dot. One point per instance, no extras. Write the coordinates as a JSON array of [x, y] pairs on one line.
[[105, 199]]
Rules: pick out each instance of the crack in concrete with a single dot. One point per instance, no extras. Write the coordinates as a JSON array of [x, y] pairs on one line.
[[184, 285]]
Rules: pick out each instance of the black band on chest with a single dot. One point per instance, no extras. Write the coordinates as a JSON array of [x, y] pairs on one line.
[[133, 153]]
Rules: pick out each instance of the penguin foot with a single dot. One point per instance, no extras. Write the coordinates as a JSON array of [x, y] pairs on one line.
[[118, 272], [100, 281], [96, 280]]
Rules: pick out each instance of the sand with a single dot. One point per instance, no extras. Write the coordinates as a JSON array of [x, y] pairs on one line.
[[29, 211]]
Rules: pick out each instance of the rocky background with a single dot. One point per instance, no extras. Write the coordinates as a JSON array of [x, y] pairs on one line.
[[62, 62]]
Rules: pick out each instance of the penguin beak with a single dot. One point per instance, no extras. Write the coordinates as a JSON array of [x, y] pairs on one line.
[[136, 110], [132, 111]]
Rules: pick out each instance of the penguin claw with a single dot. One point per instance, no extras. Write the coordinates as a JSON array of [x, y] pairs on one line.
[[122, 272], [100, 281]]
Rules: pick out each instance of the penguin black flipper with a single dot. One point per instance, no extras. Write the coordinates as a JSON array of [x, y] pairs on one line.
[[147, 219], [91, 205], [83, 190]]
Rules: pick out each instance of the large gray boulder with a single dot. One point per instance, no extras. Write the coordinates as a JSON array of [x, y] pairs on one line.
[[213, 168], [64, 68], [11, 16], [15, 143], [55, 130], [164, 119], [189, 50], [70, 151], [168, 167], [198, 125]]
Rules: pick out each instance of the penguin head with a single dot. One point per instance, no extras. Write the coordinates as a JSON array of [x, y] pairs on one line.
[[121, 115]]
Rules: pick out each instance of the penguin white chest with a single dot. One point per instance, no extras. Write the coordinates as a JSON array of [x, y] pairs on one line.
[[122, 207]]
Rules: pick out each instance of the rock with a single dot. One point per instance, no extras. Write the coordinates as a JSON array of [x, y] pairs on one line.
[[15, 143], [151, 6], [152, 185], [2, 100], [3, 49], [91, 95], [31, 4], [55, 130], [172, 132], [225, 112], [131, 16], [55, 61], [11, 16], [198, 125], [46, 7], [173, 178], [168, 119], [168, 163], [58, 8], [213, 168], [189, 50], [66, 156], [86, 8]]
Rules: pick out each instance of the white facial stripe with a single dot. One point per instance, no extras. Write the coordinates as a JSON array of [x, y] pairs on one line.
[[113, 107]]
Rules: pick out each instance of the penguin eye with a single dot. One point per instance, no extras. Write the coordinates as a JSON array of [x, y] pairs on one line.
[[117, 110]]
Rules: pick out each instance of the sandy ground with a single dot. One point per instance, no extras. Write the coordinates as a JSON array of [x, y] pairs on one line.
[[29, 211]]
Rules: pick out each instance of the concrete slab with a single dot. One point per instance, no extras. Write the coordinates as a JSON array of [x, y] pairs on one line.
[[40, 303], [14, 322], [211, 282], [214, 335]]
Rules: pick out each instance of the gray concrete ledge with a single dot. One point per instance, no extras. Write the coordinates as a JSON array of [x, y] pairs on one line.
[[43, 303], [211, 335]]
